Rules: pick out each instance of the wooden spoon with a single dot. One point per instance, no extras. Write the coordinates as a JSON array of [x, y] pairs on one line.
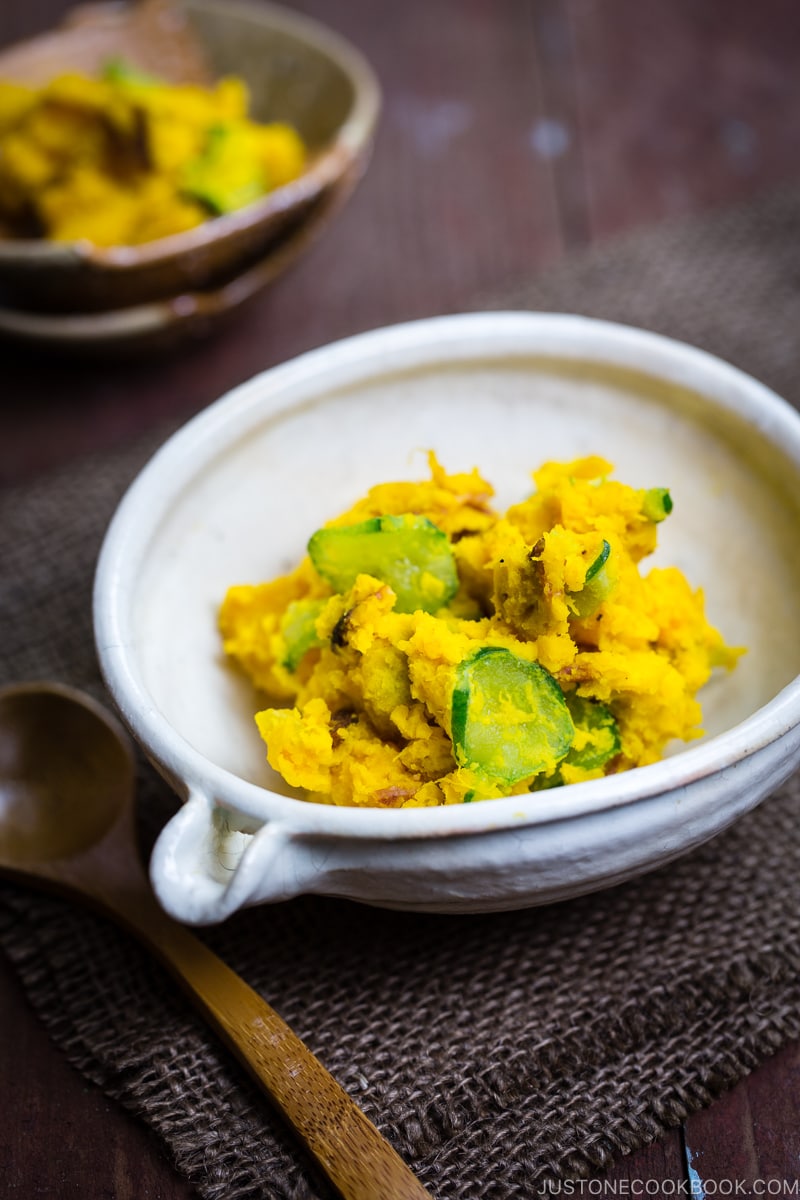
[[66, 821]]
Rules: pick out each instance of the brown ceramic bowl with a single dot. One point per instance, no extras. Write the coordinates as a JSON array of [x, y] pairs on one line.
[[297, 71], [167, 321]]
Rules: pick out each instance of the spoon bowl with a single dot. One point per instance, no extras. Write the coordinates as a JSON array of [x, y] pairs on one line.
[[58, 804], [66, 820]]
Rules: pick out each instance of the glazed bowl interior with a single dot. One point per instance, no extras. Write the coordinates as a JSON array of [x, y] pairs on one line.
[[303, 82], [234, 497]]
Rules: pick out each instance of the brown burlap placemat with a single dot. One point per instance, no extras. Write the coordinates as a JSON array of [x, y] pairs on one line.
[[495, 1052]]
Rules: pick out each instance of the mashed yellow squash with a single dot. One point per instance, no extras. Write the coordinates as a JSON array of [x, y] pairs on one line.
[[430, 650], [124, 158]]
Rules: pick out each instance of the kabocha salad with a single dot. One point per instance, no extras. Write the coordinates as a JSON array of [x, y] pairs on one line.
[[127, 158], [437, 652]]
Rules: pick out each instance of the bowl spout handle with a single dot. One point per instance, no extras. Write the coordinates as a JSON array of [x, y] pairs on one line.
[[210, 861]]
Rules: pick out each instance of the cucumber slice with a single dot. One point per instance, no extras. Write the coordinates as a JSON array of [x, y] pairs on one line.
[[598, 565], [592, 717], [657, 504], [119, 70], [596, 720], [411, 554], [298, 630], [598, 585], [509, 718], [227, 176]]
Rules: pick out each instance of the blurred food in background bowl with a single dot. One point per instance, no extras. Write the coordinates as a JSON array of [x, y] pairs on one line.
[[122, 157], [298, 74]]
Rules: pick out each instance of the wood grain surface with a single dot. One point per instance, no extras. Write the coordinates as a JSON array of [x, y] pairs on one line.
[[513, 132]]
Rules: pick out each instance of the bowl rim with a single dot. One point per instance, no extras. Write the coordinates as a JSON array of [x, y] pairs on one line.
[[115, 327], [460, 337], [349, 142]]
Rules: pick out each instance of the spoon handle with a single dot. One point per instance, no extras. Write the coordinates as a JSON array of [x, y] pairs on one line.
[[356, 1158]]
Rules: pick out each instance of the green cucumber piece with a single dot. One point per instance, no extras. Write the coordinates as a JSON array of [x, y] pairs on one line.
[[222, 178], [509, 718], [657, 504], [298, 628], [598, 585], [202, 182], [409, 553], [599, 563], [596, 720], [119, 70]]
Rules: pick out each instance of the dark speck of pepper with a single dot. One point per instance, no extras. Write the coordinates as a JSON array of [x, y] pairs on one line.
[[340, 631], [342, 718]]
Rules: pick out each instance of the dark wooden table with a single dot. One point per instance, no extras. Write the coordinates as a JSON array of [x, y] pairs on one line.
[[514, 131]]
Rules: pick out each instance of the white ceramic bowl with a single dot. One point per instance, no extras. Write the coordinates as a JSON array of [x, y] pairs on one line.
[[234, 496]]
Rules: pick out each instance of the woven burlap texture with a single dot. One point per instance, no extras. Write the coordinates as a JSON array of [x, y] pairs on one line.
[[495, 1052]]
